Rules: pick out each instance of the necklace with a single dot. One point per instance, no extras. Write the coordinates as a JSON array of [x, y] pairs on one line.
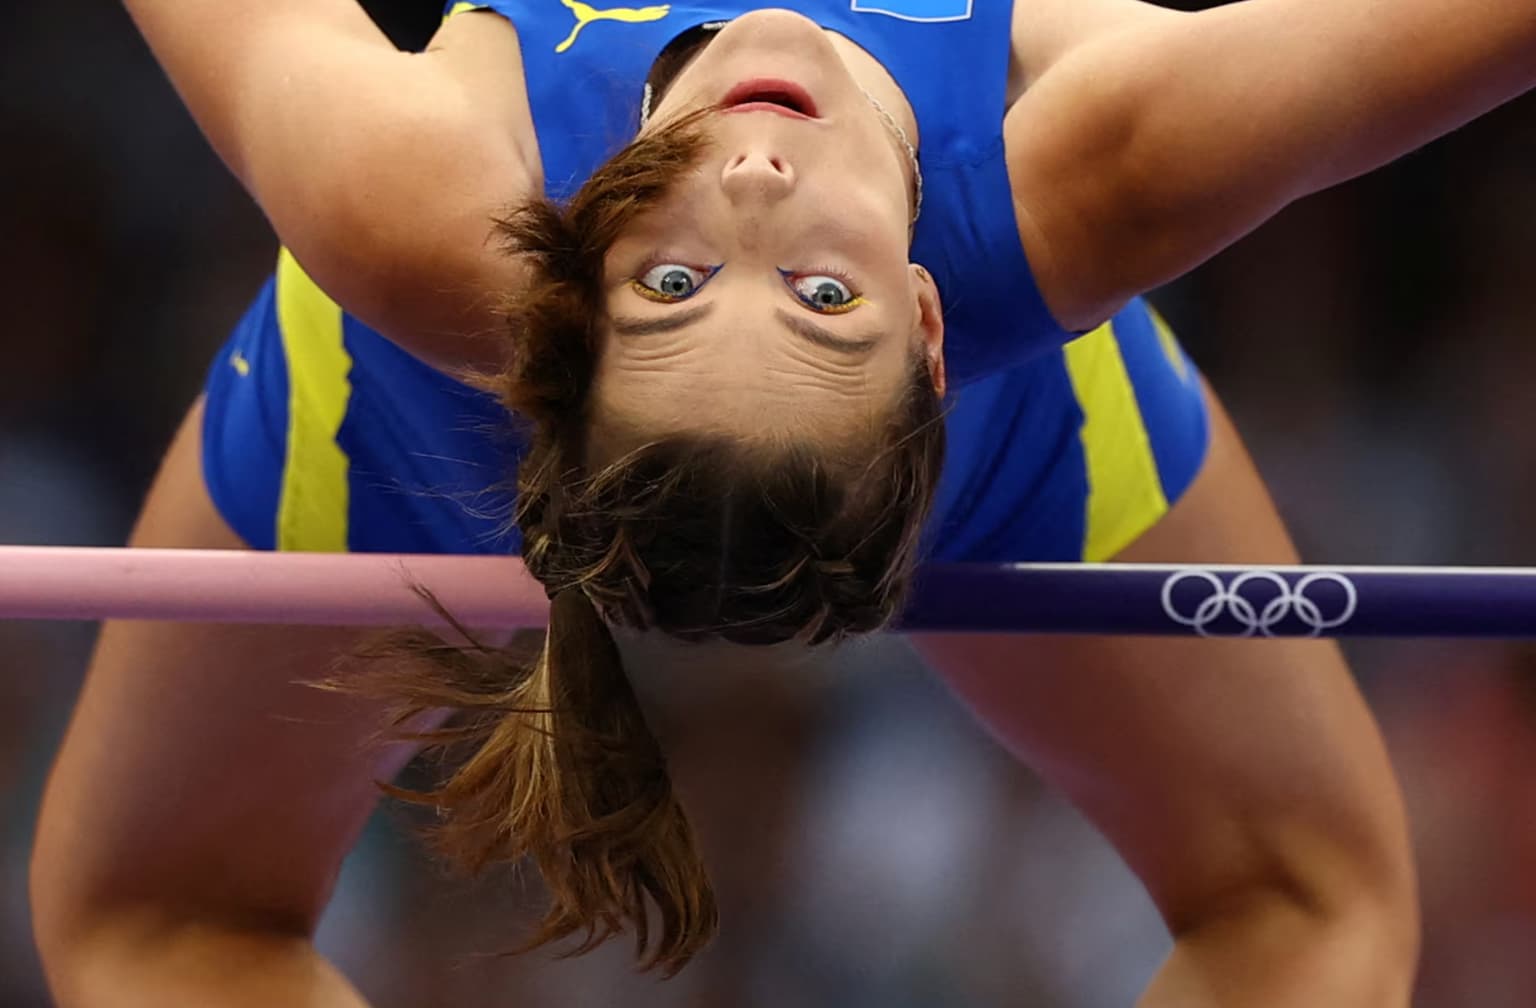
[[906, 143]]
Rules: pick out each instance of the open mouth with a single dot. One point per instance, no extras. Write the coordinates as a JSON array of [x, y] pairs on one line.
[[767, 95]]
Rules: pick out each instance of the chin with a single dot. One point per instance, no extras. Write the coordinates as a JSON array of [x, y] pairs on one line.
[[773, 21], [767, 43]]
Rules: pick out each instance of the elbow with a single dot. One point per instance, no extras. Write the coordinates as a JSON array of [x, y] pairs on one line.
[[109, 953], [1373, 913], [66, 916], [1281, 950], [78, 937], [106, 942], [1364, 885]]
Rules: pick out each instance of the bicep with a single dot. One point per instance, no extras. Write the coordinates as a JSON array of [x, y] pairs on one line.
[[1143, 152], [1135, 160], [384, 175], [1072, 141], [389, 203], [382, 170]]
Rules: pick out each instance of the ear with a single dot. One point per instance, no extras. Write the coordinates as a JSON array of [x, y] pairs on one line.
[[930, 319]]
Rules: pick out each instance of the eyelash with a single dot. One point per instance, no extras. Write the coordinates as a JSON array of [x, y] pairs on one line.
[[651, 295], [834, 273], [790, 276]]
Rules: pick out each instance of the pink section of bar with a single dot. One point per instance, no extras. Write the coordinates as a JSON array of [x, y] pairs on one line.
[[235, 586]]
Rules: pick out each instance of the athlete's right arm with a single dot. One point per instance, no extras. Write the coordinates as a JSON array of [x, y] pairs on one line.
[[380, 169], [1143, 148]]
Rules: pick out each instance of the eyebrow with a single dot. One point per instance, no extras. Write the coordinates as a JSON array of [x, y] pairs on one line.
[[803, 327], [671, 322], [826, 338]]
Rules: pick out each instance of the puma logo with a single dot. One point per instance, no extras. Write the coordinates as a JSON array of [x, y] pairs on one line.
[[586, 14], [240, 364]]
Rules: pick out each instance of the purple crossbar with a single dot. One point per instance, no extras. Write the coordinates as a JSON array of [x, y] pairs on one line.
[[374, 590], [1222, 601]]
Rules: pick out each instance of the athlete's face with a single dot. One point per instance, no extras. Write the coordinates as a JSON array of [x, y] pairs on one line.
[[771, 290]]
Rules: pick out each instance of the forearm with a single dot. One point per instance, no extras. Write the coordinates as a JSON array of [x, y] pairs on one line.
[[217, 967], [1276, 953]]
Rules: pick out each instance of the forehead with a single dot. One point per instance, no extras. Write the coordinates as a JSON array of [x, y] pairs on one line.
[[749, 381]]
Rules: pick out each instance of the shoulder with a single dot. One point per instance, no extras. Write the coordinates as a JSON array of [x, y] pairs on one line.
[[406, 244], [1065, 131], [479, 49], [1045, 31]]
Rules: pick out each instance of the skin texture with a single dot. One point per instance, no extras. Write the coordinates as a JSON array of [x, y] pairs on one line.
[[824, 200]]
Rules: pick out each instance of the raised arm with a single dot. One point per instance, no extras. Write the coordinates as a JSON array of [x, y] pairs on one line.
[[1159, 139], [380, 169]]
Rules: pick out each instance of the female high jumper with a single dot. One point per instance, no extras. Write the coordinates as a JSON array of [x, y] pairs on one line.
[[733, 347]]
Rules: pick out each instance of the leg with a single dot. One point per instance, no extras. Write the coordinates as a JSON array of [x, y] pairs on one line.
[[203, 800], [1245, 782]]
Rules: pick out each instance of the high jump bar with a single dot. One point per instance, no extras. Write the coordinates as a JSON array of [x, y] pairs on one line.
[[493, 592]]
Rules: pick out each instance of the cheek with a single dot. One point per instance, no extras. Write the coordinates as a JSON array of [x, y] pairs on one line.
[[869, 218]]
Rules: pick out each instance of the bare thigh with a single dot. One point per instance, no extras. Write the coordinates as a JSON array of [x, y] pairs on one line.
[[199, 778], [1195, 756]]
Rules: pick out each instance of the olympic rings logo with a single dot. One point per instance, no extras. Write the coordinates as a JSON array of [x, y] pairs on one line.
[[1208, 601]]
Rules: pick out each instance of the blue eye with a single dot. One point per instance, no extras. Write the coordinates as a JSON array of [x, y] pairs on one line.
[[824, 292], [671, 281]]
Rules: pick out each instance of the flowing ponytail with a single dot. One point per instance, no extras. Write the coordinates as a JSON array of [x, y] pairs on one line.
[[690, 534], [562, 769]]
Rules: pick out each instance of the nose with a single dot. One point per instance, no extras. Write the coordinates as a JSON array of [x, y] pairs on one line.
[[757, 178]]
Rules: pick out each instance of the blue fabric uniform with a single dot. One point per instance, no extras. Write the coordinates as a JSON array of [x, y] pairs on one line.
[[322, 435]]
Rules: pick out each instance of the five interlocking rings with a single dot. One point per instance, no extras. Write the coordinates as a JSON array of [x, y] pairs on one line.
[[1259, 617]]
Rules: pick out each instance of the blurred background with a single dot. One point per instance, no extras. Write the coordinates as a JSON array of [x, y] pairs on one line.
[[1374, 343]]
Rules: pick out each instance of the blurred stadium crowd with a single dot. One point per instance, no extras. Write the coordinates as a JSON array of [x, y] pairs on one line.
[[1376, 345]]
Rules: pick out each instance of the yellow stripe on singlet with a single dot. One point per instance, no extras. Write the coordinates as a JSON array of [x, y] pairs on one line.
[[461, 7], [1170, 344], [1125, 495], [312, 508]]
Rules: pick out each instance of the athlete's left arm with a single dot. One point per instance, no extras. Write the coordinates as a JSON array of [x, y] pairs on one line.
[[1244, 781], [1143, 149]]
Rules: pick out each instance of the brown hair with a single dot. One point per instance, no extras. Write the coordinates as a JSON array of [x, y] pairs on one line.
[[697, 535]]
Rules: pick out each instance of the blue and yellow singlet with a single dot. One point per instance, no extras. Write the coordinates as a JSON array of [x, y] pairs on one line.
[[320, 434]]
